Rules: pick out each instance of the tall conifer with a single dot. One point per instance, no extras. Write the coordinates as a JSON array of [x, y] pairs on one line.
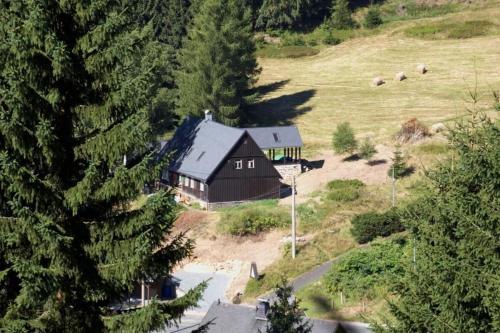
[[218, 61], [453, 283], [77, 80]]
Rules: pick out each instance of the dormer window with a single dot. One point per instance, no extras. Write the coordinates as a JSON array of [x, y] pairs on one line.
[[239, 164]]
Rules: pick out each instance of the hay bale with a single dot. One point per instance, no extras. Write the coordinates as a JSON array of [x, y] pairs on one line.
[[378, 81], [400, 76], [422, 68], [437, 128]]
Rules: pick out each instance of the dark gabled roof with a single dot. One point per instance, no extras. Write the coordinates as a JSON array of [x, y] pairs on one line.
[[225, 318], [276, 137], [199, 146]]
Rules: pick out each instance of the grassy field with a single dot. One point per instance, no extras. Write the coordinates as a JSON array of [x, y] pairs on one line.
[[318, 92]]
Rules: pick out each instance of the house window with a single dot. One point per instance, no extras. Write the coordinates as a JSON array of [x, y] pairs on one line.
[[276, 137], [186, 181], [192, 183], [202, 187], [251, 164], [239, 164]]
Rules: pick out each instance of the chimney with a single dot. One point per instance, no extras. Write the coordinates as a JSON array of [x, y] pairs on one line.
[[262, 309], [208, 115]]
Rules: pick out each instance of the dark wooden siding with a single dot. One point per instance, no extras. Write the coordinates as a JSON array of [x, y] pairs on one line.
[[175, 180], [232, 184]]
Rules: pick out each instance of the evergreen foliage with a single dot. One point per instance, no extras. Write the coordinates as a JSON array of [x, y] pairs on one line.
[[368, 226], [344, 140], [218, 61], [372, 18], [367, 149], [341, 15], [77, 81], [284, 315], [398, 168], [454, 285], [364, 272], [281, 14]]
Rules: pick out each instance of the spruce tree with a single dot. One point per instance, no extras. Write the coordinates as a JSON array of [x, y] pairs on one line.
[[218, 61], [284, 315], [398, 168], [341, 15], [454, 283], [77, 81], [281, 14]]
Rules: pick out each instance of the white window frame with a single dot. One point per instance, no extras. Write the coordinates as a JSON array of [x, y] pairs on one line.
[[238, 164], [202, 187], [186, 181], [251, 164], [192, 183]]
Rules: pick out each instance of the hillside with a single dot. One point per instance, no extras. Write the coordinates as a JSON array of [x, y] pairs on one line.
[[320, 91]]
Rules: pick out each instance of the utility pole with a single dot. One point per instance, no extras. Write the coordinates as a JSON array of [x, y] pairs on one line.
[[293, 217], [393, 188]]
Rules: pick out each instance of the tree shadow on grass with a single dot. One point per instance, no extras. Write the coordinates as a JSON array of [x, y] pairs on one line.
[[265, 89], [280, 110], [324, 304]]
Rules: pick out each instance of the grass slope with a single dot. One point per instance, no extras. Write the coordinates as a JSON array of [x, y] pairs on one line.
[[318, 92]]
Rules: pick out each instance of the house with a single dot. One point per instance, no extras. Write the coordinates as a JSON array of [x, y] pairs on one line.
[[215, 165], [225, 317]]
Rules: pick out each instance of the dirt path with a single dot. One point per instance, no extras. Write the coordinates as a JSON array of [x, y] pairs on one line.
[[335, 167]]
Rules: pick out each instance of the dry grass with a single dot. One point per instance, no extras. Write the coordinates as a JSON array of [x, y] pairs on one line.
[[320, 91]]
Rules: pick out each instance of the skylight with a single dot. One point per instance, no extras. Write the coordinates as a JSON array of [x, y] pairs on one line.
[[201, 155], [276, 137]]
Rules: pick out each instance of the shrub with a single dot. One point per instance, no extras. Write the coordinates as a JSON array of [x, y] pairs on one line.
[[372, 18], [252, 219], [343, 139], [330, 39], [496, 100], [368, 226], [367, 149], [364, 271], [293, 40], [338, 184], [344, 190], [412, 130]]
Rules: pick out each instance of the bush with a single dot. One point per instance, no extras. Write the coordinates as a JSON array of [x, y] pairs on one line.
[[372, 18], [364, 271], [344, 190], [330, 39], [368, 226], [252, 219], [367, 149], [398, 168], [293, 40], [412, 130], [344, 140]]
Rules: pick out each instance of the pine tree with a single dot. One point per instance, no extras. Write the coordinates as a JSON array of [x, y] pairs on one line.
[[282, 14], [341, 15], [344, 140], [77, 81], [218, 61], [284, 315], [367, 149], [454, 283], [398, 168]]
